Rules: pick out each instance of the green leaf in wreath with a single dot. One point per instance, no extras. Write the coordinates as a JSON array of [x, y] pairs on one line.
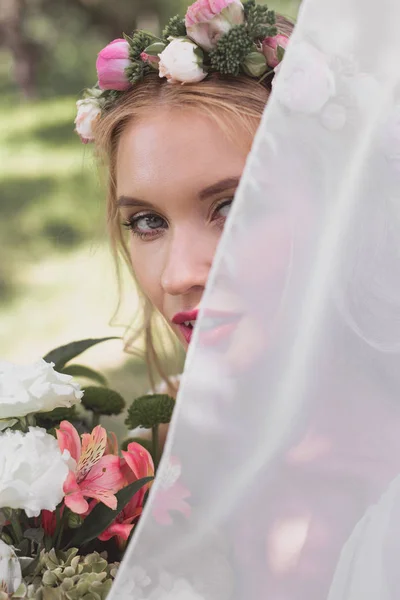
[[81, 371], [60, 356], [280, 52], [101, 516]]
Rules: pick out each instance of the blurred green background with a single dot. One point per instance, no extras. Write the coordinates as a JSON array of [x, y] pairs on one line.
[[57, 280]]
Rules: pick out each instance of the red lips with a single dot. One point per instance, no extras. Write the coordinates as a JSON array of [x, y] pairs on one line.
[[183, 317], [226, 326]]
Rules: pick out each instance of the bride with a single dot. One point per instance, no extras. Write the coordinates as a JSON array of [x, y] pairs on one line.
[[175, 144], [282, 461]]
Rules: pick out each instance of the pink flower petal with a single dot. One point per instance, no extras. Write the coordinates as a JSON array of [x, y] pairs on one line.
[[111, 64], [139, 461], [112, 444], [73, 495], [121, 530], [93, 447], [68, 439], [103, 481], [119, 48]]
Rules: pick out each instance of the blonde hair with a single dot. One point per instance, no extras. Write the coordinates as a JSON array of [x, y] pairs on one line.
[[228, 100]]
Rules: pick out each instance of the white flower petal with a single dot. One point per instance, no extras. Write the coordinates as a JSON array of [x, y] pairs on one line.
[[34, 388], [180, 63], [32, 471], [10, 569]]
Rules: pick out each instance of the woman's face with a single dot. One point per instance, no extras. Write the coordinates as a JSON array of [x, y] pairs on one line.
[[177, 173]]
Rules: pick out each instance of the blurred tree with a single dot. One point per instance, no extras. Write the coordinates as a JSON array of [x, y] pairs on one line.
[[50, 41], [25, 52]]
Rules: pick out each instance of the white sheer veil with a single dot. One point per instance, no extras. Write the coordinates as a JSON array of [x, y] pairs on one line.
[[280, 479]]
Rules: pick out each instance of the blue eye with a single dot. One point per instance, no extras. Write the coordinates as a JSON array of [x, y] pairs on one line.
[[145, 225], [148, 223]]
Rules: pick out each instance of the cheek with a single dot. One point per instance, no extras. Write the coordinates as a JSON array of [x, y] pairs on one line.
[[147, 268]]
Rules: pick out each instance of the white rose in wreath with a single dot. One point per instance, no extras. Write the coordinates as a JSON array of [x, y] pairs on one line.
[[306, 82], [35, 388], [182, 62], [32, 471], [89, 112]]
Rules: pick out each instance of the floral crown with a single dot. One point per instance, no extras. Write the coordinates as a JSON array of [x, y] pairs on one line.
[[216, 36]]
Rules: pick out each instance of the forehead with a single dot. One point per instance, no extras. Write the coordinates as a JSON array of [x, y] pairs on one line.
[[175, 148]]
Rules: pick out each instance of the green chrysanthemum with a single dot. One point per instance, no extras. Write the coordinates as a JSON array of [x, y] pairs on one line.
[[103, 401], [150, 411]]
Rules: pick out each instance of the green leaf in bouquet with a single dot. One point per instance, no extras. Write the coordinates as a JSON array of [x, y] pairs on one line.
[[7, 424], [54, 417], [35, 535], [150, 411], [81, 371], [62, 355], [20, 592], [103, 401], [102, 516]]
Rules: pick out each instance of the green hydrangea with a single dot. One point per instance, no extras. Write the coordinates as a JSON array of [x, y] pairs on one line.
[[138, 43], [231, 50], [175, 28], [260, 21]]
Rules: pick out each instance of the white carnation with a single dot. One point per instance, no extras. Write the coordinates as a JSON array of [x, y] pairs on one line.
[[306, 82], [181, 62], [35, 388], [10, 569], [88, 113], [32, 471]]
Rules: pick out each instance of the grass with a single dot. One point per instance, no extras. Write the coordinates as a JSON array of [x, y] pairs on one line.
[[57, 279]]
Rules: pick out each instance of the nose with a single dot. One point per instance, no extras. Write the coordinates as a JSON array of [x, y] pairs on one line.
[[188, 260]]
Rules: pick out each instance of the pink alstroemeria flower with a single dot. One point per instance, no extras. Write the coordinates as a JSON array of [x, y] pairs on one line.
[[208, 20], [96, 474], [136, 464], [111, 64]]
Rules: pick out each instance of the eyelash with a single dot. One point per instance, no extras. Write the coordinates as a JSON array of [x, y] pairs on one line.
[[131, 223]]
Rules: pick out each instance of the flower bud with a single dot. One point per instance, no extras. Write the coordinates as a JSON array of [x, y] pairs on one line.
[[208, 20], [74, 521], [274, 49], [89, 112], [182, 62], [111, 64]]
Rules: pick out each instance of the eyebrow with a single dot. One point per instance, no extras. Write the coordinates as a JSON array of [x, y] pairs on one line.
[[212, 190], [220, 186]]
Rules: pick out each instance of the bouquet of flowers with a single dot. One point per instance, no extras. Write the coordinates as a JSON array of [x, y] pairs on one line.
[[69, 497]]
